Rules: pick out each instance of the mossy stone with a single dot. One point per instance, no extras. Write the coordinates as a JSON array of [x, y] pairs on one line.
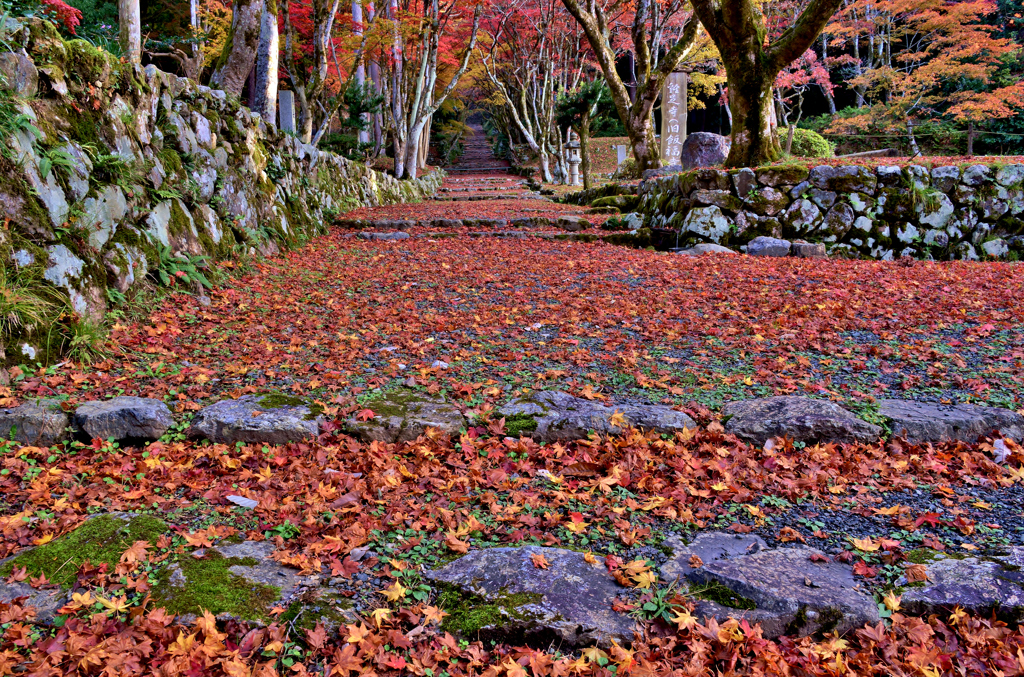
[[210, 585], [101, 540]]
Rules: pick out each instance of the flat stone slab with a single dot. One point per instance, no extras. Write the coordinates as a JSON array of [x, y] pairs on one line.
[[978, 585], [124, 418], [404, 415], [46, 602], [768, 246], [383, 236], [800, 418], [705, 248], [560, 416], [920, 422], [569, 602], [790, 593], [40, 424], [254, 419]]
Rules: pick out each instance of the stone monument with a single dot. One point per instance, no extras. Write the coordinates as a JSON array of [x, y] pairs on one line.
[[673, 118]]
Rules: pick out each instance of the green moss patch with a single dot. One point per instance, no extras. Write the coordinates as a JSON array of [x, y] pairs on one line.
[[468, 614], [713, 591], [280, 400], [211, 586], [99, 540], [517, 424]]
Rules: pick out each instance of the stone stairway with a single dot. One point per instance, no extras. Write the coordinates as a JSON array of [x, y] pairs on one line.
[[477, 157]]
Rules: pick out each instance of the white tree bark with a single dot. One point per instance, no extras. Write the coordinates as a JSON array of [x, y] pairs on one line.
[[360, 74], [267, 62], [129, 19]]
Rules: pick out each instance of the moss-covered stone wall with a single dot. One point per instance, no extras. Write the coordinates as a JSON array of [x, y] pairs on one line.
[[941, 212], [109, 169]]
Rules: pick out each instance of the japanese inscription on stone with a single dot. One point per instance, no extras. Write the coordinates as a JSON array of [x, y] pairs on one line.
[[673, 118]]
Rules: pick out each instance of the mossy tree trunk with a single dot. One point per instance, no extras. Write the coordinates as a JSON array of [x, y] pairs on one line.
[[239, 54], [636, 115], [751, 66]]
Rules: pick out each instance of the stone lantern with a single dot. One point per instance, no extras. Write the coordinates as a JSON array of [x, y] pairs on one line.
[[572, 157]]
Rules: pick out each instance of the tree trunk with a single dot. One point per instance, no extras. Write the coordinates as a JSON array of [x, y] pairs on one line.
[[240, 49], [425, 143], [360, 74], [267, 60], [129, 19], [754, 142]]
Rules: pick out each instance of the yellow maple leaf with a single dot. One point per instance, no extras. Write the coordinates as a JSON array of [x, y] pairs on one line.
[[892, 601], [589, 558], [865, 544], [381, 615], [44, 539], [684, 619], [395, 592], [618, 419], [645, 579], [357, 633], [116, 605]]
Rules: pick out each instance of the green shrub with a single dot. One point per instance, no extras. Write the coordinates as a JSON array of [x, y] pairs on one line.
[[807, 143], [627, 171]]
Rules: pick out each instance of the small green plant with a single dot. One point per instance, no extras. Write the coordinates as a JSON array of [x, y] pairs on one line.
[[627, 171], [185, 267], [285, 530], [84, 341], [657, 604], [808, 143], [55, 157], [112, 168], [22, 306]]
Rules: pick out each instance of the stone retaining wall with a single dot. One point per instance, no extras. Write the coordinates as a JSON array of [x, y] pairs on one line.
[[882, 212], [112, 170]]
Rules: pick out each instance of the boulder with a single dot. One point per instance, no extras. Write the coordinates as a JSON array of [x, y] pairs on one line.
[[722, 199], [703, 149], [782, 589], [920, 422], [803, 215], [257, 419], [707, 222], [808, 250], [839, 220], [801, 419], [768, 246], [705, 248], [767, 201], [573, 224], [383, 236], [404, 415], [39, 424], [568, 602], [19, 75], [744, 181], [661, 171], [124, 418], [782, 175], [551, 416], [978, 585], [844, 179]]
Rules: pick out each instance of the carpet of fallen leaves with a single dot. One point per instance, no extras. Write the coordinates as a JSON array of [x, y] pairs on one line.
[[480, 321]]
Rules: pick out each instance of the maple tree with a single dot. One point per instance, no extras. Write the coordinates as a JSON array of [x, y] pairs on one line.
[[925, 60]]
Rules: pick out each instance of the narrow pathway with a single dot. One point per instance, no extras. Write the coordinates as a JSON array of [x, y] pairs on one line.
[[478, 157]]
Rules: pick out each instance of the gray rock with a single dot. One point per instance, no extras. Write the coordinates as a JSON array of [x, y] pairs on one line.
[[569, 602], [800, 418], [39, 424], [1010, 175], [744, 181], [19, 75], [707, 222], [560, 416], [803, 215], [404, 415], [808, 250], [705, 248], [844, 179], [661, 171], [935, 213], [722, 199], [383, 236], [102, 215], [768, 246], [791, 594], [243, 502], [974, 176], [945, 178], [703, 149], [920, 422], [839, 220], [785, 175], [573, 224], [823, 198], [767, 201], [997, 248], [46, 602], [977, 585], [124, 418], [253, 419]]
